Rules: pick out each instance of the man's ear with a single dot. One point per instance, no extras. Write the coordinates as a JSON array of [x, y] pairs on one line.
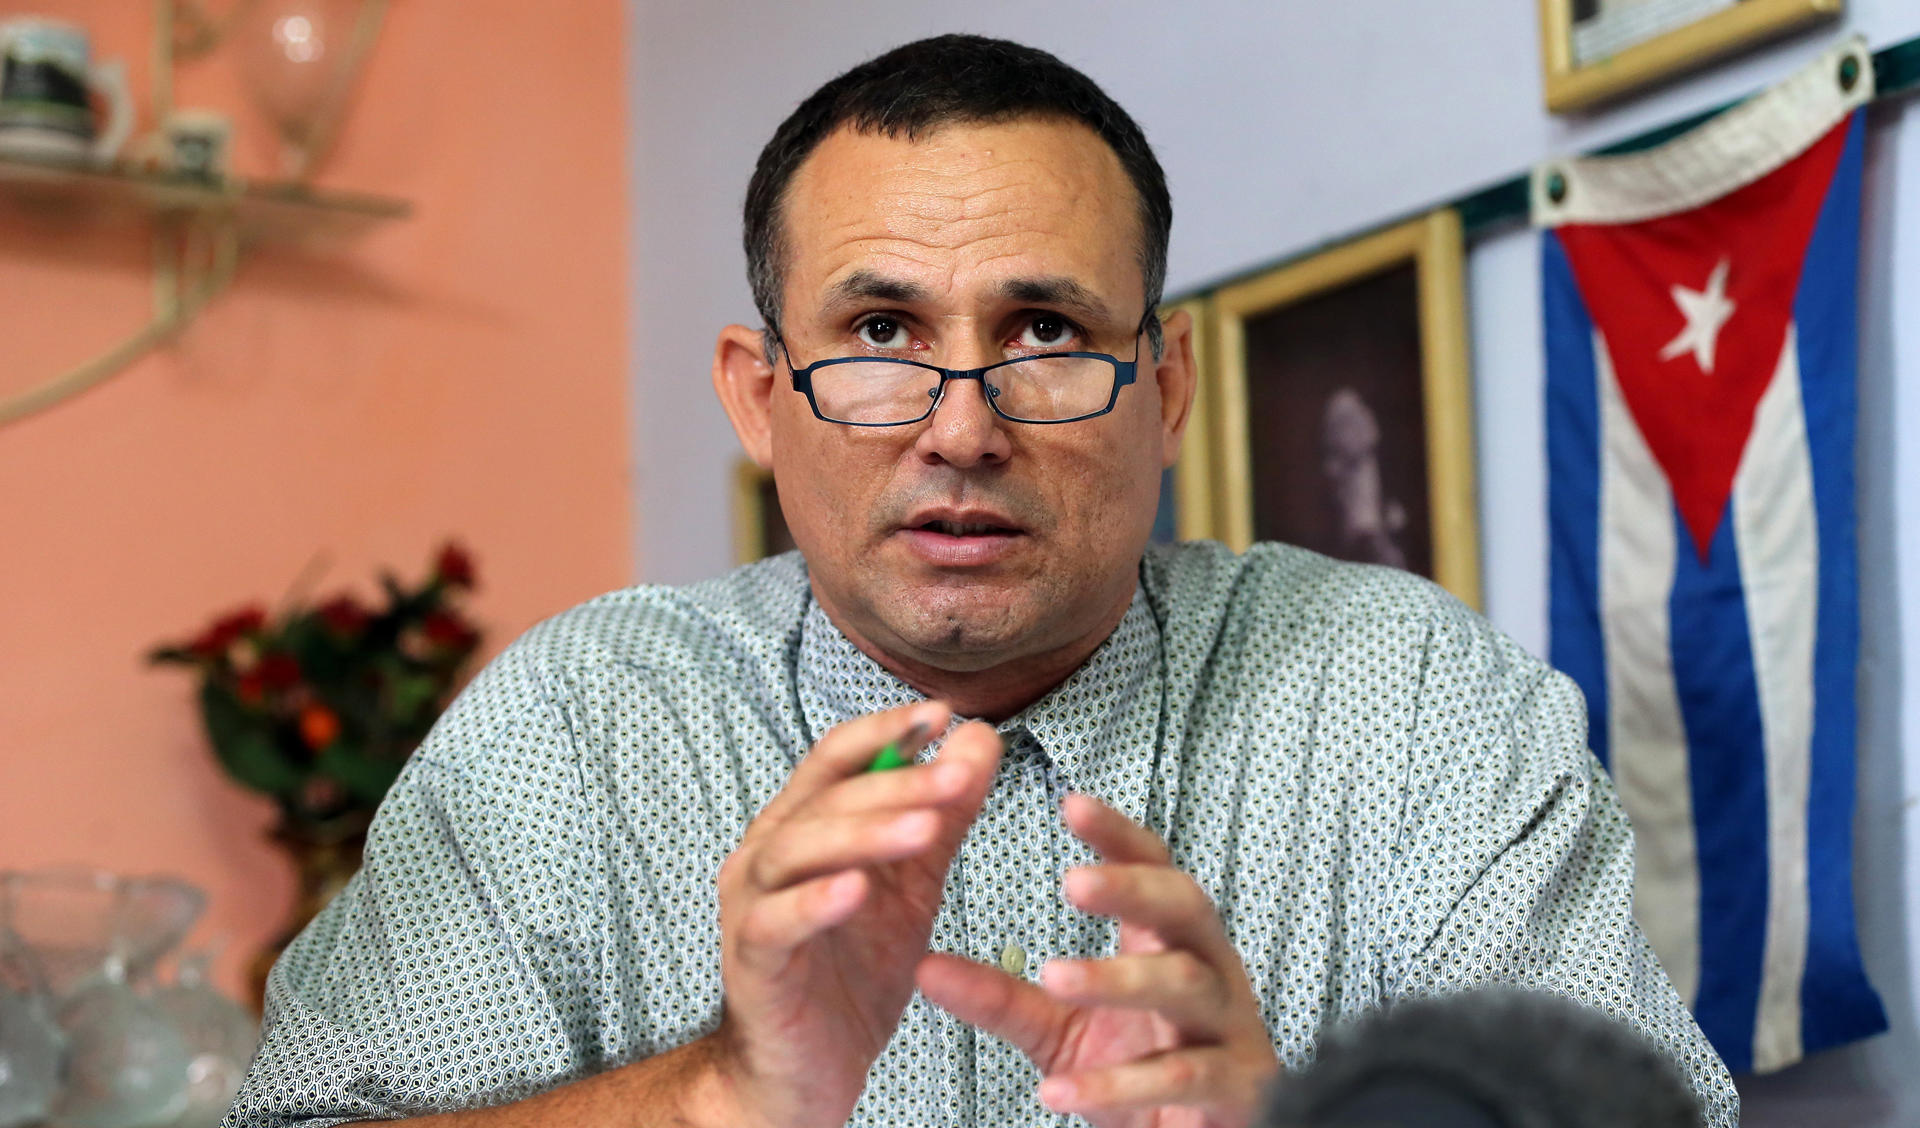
[[1176, 374], [744, 382]]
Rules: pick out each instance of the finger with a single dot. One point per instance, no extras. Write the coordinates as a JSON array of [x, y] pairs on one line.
[[946, 780], [1210, 1078], [777, 923], [1013, 1010], [1155, 897], [803, 848], [846, 750], [1187, 991], [976, 748], [1116, 837]]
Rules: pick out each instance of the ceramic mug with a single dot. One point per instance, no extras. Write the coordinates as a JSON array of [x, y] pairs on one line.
[[47, 81], [198, 145]]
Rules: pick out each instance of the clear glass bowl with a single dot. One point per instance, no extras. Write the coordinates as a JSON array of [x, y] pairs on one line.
[[74, 918], [31, 1045], [92, 936], [219, 1033]]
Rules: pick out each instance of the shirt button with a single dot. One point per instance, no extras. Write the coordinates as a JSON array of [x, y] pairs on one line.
[[1013, 960]]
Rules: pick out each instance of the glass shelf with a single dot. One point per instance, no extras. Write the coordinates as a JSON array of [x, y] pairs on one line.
[[264, 211]]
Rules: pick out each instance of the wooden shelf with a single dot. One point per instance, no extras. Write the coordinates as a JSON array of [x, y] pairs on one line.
[[261, 211]]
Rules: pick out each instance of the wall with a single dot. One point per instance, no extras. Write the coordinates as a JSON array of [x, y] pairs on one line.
[[457, 374], [1282, 126]]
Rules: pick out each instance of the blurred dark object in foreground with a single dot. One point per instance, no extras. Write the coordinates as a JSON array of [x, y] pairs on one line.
[[1489, 1058]]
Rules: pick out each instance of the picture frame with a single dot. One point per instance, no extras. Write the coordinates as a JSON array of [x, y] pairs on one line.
[[1339, 407], [759, 527], [1592, 51]]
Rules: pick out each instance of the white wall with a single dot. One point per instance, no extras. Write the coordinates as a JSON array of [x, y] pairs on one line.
[[1283, 125]]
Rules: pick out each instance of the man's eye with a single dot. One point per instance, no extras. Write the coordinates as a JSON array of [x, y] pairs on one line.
[[1047, 331], [884, 333]]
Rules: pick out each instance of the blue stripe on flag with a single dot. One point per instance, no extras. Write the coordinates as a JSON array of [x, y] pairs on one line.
[[1720, 708], [1837, 1004], [1576, 646]]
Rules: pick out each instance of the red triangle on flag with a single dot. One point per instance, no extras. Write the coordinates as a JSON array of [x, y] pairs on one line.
[[1693, 310]]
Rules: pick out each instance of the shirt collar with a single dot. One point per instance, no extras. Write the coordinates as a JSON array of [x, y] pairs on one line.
[[1100, 728]]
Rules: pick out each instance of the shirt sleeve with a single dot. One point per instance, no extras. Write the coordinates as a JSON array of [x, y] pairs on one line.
[[448, 973], [1515, 857]]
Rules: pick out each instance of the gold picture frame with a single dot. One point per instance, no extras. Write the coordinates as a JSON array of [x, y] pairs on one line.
[[1573, 84], [759, 528], [1423, 401]]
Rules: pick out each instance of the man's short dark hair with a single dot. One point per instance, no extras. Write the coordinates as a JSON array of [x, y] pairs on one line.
[[950, 79]]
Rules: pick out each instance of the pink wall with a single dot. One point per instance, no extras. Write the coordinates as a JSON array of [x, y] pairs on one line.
[[461, 373]]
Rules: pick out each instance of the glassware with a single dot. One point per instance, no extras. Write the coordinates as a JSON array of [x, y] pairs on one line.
[[92, 935], [126, 1064], [73, 918], [298, 60], [218, 1032], [30, 1041]]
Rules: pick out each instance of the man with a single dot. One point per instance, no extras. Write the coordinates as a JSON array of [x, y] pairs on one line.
[[641, 875]]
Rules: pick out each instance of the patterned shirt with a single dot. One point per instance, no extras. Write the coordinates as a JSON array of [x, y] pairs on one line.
[[1383, 796]]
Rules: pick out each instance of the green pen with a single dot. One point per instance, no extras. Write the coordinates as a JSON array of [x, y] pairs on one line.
[[892, 757]]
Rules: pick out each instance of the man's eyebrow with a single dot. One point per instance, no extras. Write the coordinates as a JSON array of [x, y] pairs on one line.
[[1061, 292], [869, 286]]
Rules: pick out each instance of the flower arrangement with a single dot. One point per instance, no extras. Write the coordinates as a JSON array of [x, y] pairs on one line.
[[319, 707]]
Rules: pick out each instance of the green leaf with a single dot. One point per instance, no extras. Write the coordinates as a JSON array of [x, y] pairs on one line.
[[412, 693], [366, 779], [243, 742]]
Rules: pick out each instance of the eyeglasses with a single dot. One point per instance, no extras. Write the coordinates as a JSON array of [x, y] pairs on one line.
[[874, 391]]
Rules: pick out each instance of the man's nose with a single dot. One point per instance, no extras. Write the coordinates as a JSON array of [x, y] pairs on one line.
[[964, 431]]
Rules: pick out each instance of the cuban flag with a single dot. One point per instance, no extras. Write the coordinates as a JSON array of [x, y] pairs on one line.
[[1700, 335]]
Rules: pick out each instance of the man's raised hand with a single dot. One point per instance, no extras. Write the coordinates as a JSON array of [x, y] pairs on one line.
[[1166, 1034], [826, 907]]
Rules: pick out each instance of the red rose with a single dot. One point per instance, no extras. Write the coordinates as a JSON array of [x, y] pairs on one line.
[[217, 639], [454, 568], [343, 615], [319, 726], [448, 630], [251, 688], [278, 671]]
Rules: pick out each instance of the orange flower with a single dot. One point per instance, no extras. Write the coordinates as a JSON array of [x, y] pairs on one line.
[[319, 726]]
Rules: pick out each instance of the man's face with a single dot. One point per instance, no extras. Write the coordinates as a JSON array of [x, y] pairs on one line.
[[966, 541]]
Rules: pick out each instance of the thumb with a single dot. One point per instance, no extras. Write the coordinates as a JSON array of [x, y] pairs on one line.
[[1011, 1009]]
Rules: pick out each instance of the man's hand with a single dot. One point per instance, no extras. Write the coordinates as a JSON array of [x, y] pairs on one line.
[[1167, 1034], [826, 908]]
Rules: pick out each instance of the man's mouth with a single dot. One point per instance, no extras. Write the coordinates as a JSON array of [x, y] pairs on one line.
[[962, 538], [966, 529]]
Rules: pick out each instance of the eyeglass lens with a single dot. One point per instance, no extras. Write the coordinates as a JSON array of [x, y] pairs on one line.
[[1040, 389]]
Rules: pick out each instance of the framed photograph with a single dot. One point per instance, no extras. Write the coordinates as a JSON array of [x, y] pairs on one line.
[[1594, 50], [759, 528], [1340, 415]]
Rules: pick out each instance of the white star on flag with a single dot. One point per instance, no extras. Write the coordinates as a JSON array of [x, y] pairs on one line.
[[1706, 311]]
